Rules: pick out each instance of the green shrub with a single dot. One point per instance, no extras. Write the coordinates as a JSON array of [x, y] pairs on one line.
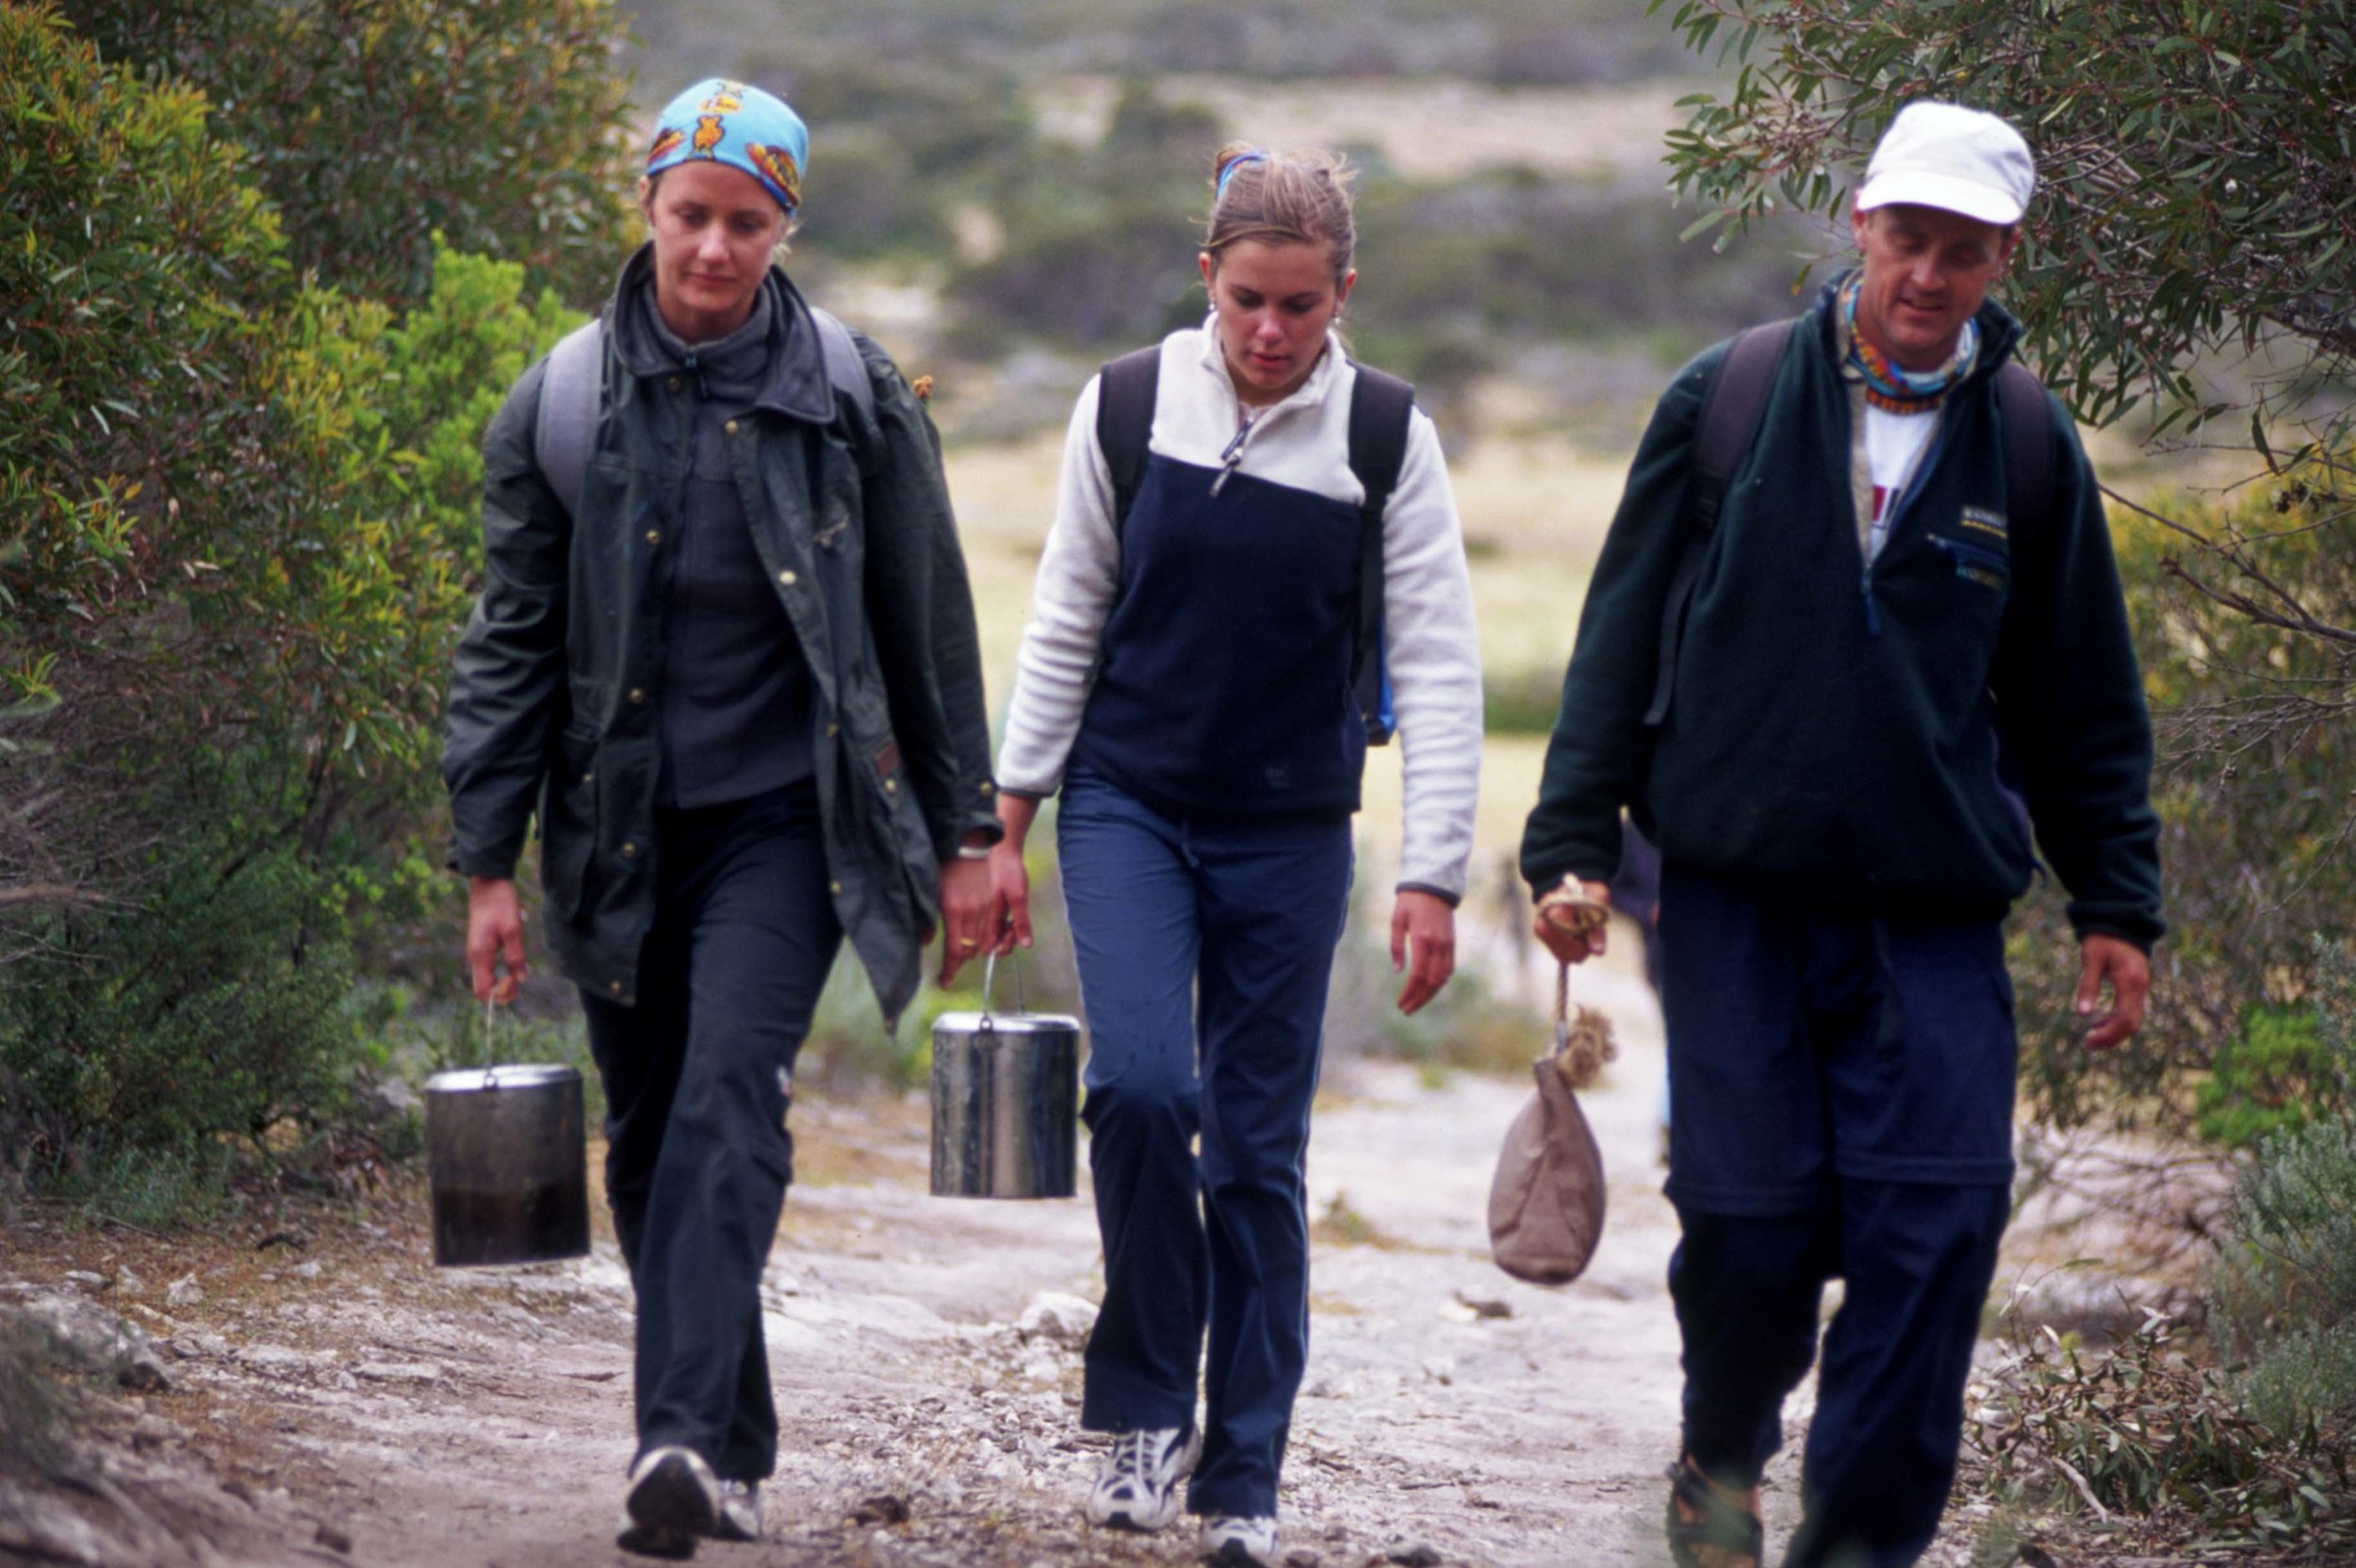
[[213, 1010], [2251, 788], [375, 125], [2285, 1287]]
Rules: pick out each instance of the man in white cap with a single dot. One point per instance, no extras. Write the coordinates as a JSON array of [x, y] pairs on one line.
[[1855, 631]]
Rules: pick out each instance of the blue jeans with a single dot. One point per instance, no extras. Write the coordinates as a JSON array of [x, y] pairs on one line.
[[1206, 949], [1843, 1084], [698, 1078]]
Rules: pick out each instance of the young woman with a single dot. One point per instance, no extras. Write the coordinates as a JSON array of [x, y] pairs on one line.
[[726, 650], [1187, 681]]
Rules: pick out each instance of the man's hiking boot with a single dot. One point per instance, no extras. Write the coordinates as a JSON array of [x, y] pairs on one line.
[[674, 1498]]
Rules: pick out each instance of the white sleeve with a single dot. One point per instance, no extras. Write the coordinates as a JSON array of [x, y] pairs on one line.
[[1434, 650], [1078, 572]]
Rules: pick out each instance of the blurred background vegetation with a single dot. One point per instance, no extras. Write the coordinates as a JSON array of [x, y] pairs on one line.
[[268, 266]]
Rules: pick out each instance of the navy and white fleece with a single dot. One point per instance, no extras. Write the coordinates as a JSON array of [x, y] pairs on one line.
[[1303, 444]]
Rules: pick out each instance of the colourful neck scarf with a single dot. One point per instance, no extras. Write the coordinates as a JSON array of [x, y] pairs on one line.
[[1891, 386]]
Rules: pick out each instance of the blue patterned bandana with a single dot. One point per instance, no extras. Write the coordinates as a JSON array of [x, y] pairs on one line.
[[739, 125]]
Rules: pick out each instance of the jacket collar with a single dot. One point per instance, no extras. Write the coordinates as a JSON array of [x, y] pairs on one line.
[[2000, 329], [1309, 394], [795, 384]]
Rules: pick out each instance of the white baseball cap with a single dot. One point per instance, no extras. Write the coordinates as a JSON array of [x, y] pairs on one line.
[[1956, 160]]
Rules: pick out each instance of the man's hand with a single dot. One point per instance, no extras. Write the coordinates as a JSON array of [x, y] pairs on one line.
[[495, 934], [1423, 930], [2129, 972], [970, 913], [1572, 925]]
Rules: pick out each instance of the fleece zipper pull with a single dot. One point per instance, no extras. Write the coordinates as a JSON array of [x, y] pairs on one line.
[[1231, 457]]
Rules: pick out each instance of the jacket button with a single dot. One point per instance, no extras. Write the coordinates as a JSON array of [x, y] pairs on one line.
[[589, 777], [637, 694], [786, 578], [835, 888], [988, 788], [629, 852], [729, 427], [616, 988], [673, 384], [891, 786], [833, 728], [654, 536]]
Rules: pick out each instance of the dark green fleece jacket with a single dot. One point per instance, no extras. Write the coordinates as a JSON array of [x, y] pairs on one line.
[[1834, 726]]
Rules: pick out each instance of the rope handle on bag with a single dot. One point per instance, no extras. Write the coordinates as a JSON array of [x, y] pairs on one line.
[[1562, 1008]]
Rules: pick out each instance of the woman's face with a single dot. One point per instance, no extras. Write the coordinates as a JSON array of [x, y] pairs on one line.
[[1272, 304], [714, 231]]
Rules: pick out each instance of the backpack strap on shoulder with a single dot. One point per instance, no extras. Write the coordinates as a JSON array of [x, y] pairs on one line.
[[566, 425], [845, 370], [567, 420], [1127, 390], [1382, 406], [1732, 409], [2028, 446]]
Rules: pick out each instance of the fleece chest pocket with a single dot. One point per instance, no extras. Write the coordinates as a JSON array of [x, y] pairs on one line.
[[1975, 562]]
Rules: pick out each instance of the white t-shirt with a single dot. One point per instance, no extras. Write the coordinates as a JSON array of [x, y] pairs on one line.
[[1894, 444]]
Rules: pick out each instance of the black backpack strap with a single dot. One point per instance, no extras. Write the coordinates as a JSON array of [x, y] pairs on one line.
[[1381, 409], [1731, 410], [2028, 446], [1125, 392]]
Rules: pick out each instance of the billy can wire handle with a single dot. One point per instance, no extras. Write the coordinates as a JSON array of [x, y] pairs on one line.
[[989, 972]]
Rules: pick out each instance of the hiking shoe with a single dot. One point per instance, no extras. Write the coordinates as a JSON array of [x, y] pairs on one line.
[[1232, 1541], [674, 1498], [1139, 1488], [739, 1512]]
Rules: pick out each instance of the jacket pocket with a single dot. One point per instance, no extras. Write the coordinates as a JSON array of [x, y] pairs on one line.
[[568, 820], [1975, 562]]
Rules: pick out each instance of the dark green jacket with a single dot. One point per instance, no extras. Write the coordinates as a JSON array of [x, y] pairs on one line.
[[1835, 728], [553, 700]]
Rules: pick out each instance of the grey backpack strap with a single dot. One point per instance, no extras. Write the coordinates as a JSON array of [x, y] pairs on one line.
[[568, 410], [845, 367]]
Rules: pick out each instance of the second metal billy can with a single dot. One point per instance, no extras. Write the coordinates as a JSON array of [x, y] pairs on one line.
[[1006, 1095]]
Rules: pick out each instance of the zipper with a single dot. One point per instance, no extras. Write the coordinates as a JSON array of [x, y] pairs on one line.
[[1231, 456], [1970, 557]]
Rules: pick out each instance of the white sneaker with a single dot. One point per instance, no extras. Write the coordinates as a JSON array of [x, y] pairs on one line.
[[1232, 1541], [674, 1498], [1141, 1485], [739, 1512]]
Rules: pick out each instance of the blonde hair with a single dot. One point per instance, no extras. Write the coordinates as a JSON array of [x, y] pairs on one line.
[[1278, 198]]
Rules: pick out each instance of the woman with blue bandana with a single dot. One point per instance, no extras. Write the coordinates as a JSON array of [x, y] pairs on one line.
[[725, 652], [1254, 531]]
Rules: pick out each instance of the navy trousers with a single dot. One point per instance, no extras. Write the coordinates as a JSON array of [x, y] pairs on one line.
[[1205, 950], [1843, 1084], [699, 1077]]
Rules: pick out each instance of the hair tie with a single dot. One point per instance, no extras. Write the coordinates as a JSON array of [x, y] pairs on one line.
[[1218, 193]]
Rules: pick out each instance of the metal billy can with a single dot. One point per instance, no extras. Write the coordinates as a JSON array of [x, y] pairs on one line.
[[507, 1149], [1005, 1101]]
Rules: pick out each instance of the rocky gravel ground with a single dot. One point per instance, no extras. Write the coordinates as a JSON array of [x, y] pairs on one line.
[[306, 1387]]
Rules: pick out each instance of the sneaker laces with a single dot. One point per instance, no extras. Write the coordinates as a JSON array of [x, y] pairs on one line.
[[1130, 1456]]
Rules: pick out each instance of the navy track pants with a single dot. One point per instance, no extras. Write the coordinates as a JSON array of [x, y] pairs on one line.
[[699, 1077], [1843, 1084], [1205, 953]]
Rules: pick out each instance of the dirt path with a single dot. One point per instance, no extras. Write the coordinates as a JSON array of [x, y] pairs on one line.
[[368, 1409]]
